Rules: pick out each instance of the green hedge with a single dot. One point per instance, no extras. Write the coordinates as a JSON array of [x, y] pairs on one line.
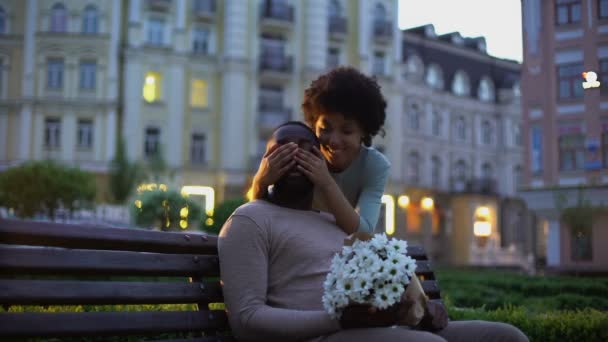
[[552, 326]]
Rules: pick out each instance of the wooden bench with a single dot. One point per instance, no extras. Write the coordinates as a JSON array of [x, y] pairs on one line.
[[43, 264]]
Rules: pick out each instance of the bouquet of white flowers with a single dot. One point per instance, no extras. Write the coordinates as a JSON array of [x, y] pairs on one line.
[[368, 271]]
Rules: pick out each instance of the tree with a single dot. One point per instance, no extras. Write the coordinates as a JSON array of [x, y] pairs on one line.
[[124, 175], [166, 210], [222, 212], [44, 186]]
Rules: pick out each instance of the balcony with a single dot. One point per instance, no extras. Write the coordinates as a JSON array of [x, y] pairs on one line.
[[276, 67], [276, 15], [337, 27], [482, 186], [383, 30], [205, 10], [159, 5], [272, 114]]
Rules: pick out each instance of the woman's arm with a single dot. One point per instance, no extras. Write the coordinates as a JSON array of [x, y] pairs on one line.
[[370, 199], [243, 249]]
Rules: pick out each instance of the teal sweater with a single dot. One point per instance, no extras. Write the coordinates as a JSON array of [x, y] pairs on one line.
[[363, 185]]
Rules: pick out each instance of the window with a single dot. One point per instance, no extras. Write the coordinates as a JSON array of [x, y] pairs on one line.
[[461, 129], [59, 18], [414, 118], [201, 37], [197, 149], [517, 135], [156, 31], [460, 171], [605, 146], [380, 13], [335, 10], [152, 142], [569, 77], [567, 12], [54, 73], [88, 75], [89, 20], [437, 121], [413, 175], [333, 57], [435, 171], [152, 87], [204, 6], [486, 90], [414, 68], [1, 77], [2, 21], [271, 98], [517, 176], [604, 76], [486, 171], [379, 64], [198, 95], [273, 53], [434, 77], [460, 85], [602, 9], [536, 142], [581, 243], [52, 133], [85, 134], [571, 151], [486, 133]]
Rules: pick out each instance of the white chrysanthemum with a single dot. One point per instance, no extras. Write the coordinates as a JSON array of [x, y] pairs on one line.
[[382, 298], [379, 241], [396, 245]]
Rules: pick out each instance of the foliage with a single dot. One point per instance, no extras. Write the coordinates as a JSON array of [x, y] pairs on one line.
[[124, 175], [579, 217], [166, 210], [44, 186], [222, 212]]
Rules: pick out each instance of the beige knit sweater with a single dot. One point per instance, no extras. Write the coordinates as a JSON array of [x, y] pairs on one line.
[[273, 263]]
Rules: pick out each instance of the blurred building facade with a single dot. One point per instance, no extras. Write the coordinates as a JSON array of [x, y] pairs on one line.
[[566, 126], [201, 83], [458, 142]]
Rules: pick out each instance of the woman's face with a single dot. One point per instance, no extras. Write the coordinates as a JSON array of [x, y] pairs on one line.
[[340, 140]]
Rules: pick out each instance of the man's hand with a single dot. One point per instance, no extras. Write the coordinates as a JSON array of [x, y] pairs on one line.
[[435, 318], [358, 316]]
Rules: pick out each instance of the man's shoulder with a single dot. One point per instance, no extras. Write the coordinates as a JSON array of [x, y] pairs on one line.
[[255, 208]]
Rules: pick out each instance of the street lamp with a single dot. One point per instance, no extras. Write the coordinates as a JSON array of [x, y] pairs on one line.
[[389, 214], [427, 203]]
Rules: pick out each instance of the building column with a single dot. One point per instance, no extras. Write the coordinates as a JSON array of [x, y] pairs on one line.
[[3, 136], [131, 125], [112, 89], [68, 136], [235, 34], [98, 137], [316, 35], [179, 31], [111, 136], [365, 33], [134, 29], [553, 244], [25, 132], [38, 135], [175, 125], [394, 135], [29, 53]]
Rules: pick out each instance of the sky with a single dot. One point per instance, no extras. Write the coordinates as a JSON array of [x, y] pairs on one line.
[[497, 20]]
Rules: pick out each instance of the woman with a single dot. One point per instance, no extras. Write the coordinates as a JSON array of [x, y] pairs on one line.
[[346, 110]]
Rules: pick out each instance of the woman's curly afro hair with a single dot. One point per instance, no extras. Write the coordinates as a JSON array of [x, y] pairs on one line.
[[347, 91]]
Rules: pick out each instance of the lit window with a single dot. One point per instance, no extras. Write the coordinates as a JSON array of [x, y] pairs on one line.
[[152, 87], [85, 134], [52, 133], [59, 18], [54, 79], [88, 75], [198, 148], [89, 20], [199, 96]]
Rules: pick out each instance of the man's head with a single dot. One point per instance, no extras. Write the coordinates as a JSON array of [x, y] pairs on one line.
[[293, 181]]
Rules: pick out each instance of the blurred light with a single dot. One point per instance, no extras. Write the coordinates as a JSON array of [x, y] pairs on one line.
[[482, 229], [206, 191], [183, 224], [590, 80], [209, 221], [184, 212], [162, 187], [149, 79], [482, 212], [403, 201], [138, 204], [389, 214], [151, 88], [167, 223], [147, 187], [427, 203]]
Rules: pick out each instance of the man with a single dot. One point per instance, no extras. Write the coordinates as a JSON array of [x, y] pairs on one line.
[[274, 256]]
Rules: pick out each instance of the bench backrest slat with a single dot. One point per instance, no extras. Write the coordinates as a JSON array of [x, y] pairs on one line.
[[109, 323], [93, 237], [60, 292], [53, 260]]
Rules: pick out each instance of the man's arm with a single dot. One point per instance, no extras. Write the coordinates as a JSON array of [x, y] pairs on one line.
[[243, 250]]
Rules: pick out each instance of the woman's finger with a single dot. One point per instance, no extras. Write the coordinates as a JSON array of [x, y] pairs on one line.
[[287, 167], [307, 164], [317, 152], [280, 152], [271, 149]]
